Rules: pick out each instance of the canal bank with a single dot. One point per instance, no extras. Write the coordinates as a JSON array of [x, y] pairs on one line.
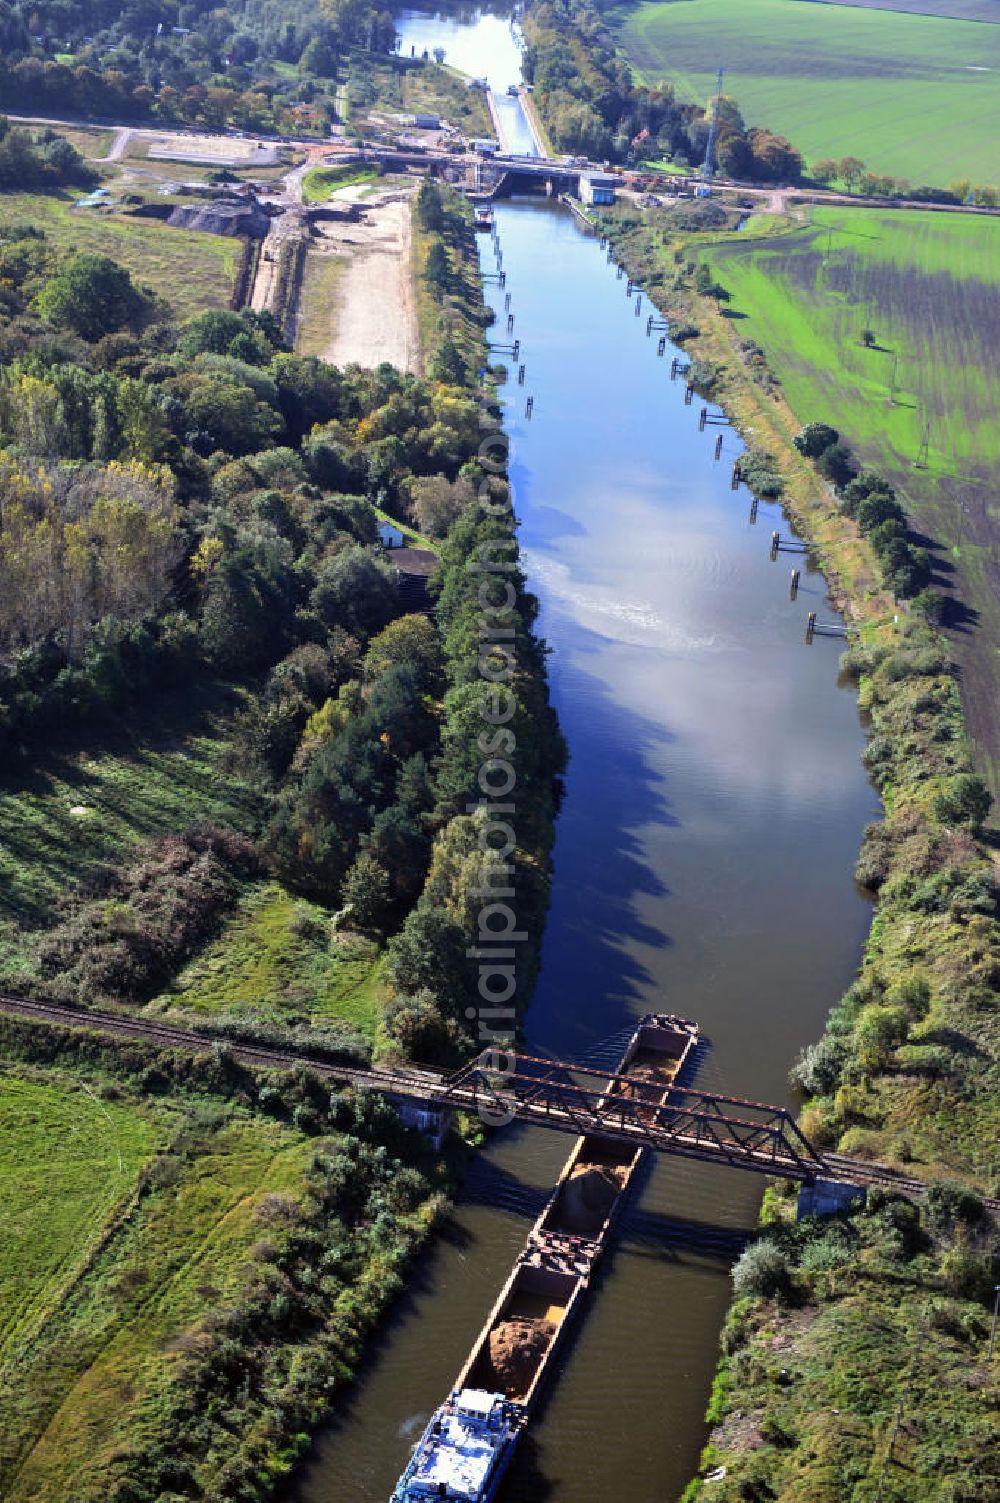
[[714, 804]]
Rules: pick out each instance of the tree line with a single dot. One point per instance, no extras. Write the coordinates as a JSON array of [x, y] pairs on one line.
[[193, 62], [590, 103]]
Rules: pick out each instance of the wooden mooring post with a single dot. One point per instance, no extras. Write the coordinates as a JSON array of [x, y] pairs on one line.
[[737, 474], [510, 323], [520, 375], [754, 500], [810, 626], [661, 345], [702, 420], [688, 394], [620, 273], [718, 446], [638, 304], [793, 589], [628, 287], [529, 407], [506, 303]]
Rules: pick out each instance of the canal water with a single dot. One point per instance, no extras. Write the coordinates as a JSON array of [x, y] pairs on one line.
[[482, 44], [714, 806]]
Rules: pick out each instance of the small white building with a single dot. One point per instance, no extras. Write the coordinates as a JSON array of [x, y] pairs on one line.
[[390, 536], [598, 187]]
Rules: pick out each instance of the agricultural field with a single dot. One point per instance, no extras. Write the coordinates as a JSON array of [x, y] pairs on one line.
[[195, 271], [124, 1224], [912, 96], [927, 286]]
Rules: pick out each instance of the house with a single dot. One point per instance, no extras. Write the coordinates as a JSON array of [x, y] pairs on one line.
[[390, 536], [598, 187]]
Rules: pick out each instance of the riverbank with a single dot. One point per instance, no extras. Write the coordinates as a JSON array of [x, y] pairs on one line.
[[906, 1071]]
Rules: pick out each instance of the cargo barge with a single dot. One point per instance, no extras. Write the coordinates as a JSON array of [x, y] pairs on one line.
[[467, 1446]]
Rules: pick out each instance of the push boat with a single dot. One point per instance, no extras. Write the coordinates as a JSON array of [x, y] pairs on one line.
[[470, 1440]]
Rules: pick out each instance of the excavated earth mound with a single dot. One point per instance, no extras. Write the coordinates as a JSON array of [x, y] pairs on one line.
[[588, 1196], [517, 1346]]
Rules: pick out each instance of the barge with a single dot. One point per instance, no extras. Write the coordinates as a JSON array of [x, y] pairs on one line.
[[467, 1446]]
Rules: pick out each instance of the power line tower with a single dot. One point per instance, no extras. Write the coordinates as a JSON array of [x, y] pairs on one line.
[[708, 171]]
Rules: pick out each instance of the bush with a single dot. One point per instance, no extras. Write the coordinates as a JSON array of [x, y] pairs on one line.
[[814, 439], [965, 800], [762, 1270], [819, 1067]]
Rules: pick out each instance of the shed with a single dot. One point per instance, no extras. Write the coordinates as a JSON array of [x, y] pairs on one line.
[[485, 148], [390, 536], [598, 187], [427, 122]]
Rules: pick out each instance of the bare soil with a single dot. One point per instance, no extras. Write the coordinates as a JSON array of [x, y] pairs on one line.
[[373, 317]]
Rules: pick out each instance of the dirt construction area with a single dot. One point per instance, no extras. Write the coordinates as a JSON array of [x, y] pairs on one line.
[[371, 316]]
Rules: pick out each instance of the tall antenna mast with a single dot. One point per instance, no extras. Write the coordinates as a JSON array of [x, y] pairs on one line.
[[708, 170]]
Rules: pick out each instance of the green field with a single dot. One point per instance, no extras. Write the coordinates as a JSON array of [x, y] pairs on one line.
[[163, 771], [193, 271], [99, 1289], [928, 286], [278, 958], [913, 96], [322, 182]]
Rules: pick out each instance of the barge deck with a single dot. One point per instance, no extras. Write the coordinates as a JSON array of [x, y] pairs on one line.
[[497, 1390]]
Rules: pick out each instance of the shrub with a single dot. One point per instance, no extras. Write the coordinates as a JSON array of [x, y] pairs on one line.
[[965, 800], [814, 439], [762, 1270], [819, 1067]]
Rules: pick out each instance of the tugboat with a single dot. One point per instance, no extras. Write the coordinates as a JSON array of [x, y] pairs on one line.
[[484, 218], [465, 1450]]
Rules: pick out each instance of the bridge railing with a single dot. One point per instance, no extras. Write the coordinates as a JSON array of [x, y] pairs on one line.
[[690, 1122]]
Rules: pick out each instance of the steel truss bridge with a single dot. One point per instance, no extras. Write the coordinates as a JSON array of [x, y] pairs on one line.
[[505, 1086]]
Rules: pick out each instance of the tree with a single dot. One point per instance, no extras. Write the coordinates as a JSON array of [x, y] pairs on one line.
[[877, 508], [825, 171], [814, 438], [411, 640], [849, 170], [92, 296], [367, 891], [761, 1270], [430, 210], [357, 591], [837, 464], [868, 338], [436, 503], [428, 954], [437, 270]]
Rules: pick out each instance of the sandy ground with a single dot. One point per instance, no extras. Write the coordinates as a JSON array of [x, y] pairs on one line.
[[374, 317]]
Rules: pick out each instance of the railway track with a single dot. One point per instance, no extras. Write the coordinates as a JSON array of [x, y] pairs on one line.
[[434, 1089]]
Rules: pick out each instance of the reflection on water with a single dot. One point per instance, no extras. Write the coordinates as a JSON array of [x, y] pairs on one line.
[[714, 805]]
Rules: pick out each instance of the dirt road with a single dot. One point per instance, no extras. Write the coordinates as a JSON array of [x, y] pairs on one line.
[[373, 317]]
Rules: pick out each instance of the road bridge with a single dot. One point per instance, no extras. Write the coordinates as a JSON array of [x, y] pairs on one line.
[[504, 1086]]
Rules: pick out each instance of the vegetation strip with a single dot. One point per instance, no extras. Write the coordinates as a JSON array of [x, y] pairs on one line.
[[907, 1070]]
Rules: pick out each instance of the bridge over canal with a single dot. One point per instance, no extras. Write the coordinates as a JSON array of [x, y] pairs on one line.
[[505, 1086]]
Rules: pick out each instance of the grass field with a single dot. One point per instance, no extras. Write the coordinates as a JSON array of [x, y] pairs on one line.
[[164, 770], [192, 270], [913, 96], [322, 182], [278, 958], [99, 1301], [928, 285]]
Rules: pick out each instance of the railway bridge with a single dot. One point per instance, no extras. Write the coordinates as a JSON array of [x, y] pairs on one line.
[[502, 1086]]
